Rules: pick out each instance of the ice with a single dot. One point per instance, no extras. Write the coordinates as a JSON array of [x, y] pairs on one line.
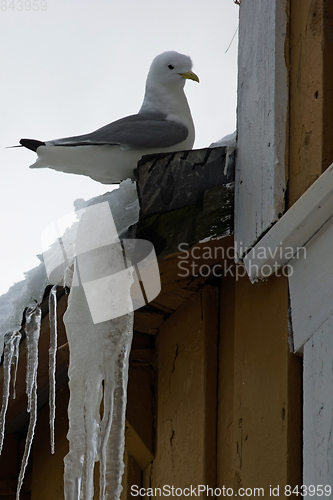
[[12, 341], [24, 294], [58, 241], [32, 331], [112, 466], [124, 205], [52, 360], [99, 339], [96, 370], [29, 438], [99, 344], [29, 292], [16, 341]]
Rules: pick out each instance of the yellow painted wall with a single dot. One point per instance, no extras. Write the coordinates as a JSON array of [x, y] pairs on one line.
[[311, 97], [186, 394], [259, 426]]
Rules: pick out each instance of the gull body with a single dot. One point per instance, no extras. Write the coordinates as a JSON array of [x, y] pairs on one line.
[[110, 154]]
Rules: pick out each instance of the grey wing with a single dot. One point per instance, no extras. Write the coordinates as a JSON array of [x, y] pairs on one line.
[[140, 131]]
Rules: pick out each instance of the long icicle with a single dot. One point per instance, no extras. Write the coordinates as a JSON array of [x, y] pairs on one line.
[[116, 442], [32, 330], [52, 360], [16, 353], [9, 350], [29, 438]]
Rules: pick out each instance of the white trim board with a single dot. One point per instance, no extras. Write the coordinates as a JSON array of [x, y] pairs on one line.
[[311, 286], [293, 231], [318, 408], [262, 107]]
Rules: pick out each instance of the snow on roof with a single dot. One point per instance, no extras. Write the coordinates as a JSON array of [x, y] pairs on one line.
[[29, 292]]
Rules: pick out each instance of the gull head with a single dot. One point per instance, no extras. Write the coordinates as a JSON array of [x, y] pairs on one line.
[[171, 69]]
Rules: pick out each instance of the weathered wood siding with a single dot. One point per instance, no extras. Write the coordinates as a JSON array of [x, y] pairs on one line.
[[261, 119], [318, 407]]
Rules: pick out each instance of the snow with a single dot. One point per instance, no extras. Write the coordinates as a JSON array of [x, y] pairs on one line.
[[230, 142], [23, 294], [29, 292], [99, 323]]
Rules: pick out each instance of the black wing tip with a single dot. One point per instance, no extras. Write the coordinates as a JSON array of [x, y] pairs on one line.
[[31, 144]]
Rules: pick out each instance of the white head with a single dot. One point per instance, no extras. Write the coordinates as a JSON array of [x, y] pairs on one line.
[[164, 87], [170, 69]]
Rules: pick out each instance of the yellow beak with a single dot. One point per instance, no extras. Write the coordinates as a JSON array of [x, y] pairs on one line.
[[190, 76]]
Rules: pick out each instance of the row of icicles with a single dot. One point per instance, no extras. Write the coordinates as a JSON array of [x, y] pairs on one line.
[[32, 327]]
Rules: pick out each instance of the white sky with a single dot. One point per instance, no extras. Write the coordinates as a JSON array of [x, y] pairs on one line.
[[79, 65]]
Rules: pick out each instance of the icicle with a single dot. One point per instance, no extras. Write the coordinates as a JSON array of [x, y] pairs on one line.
[[30, 436], [11, 339], [7, 362], [68, 274], [16, 342], [99, 326], [112, 449], [87, 352], [32, 330], [52, 360]]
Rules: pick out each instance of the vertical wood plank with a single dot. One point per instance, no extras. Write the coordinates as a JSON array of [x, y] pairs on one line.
[[260, 397], [318, 407], [328, 85], [306, 95], [187, 390], [261, 119]]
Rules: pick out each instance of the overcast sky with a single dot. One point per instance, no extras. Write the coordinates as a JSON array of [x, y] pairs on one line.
[[80, 64]]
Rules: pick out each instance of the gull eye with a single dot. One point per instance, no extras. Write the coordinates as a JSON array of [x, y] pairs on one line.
[[170, 66]]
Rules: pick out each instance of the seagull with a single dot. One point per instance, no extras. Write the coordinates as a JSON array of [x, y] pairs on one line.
[[110, 154]]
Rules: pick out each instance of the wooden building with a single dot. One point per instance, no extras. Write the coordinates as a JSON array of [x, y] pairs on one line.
[[231, 365]]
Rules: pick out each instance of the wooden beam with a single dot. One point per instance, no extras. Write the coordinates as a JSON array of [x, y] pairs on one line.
[[311, 93], [262, 109], [137, 447], [182, 274], [328, 85], [211, 217], [170, 181]]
